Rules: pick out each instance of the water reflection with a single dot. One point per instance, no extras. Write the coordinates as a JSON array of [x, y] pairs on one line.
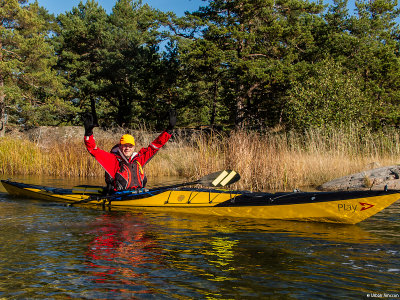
[[323, 231], [53, 251], [122, 246]]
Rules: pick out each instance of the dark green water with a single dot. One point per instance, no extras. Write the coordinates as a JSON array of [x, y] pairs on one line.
[[50, 251]]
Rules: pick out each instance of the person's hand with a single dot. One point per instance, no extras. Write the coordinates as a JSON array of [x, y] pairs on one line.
[[172, 120], [89, 124]]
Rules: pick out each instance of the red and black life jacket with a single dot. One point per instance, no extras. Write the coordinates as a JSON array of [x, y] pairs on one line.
[[129, 176]]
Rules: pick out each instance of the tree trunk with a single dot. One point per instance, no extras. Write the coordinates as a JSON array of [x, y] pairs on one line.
[[240, 108], [2, 101], [2, 114], [93, 109], [214, 104]]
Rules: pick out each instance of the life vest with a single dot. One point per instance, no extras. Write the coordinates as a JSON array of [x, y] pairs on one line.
[[128, 176]]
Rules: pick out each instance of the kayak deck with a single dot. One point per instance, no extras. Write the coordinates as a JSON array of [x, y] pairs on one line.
[[348, 207]]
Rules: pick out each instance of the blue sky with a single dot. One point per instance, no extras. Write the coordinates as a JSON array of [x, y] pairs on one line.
[[177, 6]]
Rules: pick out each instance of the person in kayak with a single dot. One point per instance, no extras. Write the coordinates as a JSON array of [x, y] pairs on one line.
[[124, 166]]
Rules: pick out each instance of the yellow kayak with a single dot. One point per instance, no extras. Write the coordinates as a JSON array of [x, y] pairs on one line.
[[349, 207]]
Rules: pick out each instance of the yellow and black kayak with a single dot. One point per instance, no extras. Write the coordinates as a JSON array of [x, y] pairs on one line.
[[349, 207]]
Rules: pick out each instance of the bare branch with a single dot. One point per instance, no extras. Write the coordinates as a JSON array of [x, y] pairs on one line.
[[12, 52]]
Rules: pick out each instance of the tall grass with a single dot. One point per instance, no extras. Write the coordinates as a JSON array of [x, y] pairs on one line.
[[289, 160], [267, 161]]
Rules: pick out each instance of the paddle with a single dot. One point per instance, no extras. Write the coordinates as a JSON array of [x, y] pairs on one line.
[[217, 179]]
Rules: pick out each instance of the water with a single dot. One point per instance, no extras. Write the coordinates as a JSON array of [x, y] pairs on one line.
[[50, 251]]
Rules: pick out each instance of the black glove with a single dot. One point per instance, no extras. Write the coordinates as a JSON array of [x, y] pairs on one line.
[[172, 120], [89, 124]]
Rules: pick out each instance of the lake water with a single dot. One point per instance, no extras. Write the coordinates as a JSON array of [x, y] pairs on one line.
[[51, 251]]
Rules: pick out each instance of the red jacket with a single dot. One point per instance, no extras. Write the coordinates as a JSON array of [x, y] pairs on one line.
[[111, 163]]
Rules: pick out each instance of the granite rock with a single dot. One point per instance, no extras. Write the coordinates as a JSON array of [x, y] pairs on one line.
[[375, 179]]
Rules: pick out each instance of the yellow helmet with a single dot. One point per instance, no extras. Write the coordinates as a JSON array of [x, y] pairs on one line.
[[127, 139]]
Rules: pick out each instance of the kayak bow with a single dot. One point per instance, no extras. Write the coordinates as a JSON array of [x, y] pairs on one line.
[[349, 207]]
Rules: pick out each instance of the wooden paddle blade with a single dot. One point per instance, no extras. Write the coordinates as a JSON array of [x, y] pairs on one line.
[[231, 178], [220, 179]]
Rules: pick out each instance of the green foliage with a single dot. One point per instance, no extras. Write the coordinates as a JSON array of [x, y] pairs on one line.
[[274, 61], [247, 53], [111, 62], [329, 96], [81, 45], [132, 67], [244, 63], [27, 78]]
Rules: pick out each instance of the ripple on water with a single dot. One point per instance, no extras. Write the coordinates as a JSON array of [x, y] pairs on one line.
[[57, 251]]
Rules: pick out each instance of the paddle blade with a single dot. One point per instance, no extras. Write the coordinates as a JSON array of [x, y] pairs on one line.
[[220, 179]]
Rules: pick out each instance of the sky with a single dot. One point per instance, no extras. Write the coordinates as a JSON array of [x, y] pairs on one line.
[[177, 6]]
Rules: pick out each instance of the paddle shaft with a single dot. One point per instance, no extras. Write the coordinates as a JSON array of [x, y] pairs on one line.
[[221, 178]]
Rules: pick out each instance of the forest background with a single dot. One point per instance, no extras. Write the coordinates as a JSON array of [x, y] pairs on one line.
[[266, 67]]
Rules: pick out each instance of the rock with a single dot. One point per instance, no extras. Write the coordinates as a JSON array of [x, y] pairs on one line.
[[375, 179]]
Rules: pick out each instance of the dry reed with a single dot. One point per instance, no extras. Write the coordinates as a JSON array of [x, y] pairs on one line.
[[268, 161]]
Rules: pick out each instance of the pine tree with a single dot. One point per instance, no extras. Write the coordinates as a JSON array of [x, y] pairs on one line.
[[132, 68], [259, 45], [80, 44], [27, 81], [374, 52]]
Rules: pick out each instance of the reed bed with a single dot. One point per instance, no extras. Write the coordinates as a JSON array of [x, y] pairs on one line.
[[266, 161]]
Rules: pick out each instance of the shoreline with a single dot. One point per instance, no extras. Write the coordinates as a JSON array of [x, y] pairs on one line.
[[270, 161]]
